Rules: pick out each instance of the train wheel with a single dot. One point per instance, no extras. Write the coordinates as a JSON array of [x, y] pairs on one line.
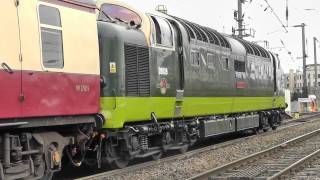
[[91, 162], [43, 171], [184, 149], [120, 162], [266, 129], [47, 176], [276, 121], [274, 124], [265, 126], [157, 156]]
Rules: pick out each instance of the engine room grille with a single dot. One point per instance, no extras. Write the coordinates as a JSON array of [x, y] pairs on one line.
[[137, 71]]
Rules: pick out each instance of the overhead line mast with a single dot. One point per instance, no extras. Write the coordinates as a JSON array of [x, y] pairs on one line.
[[240, 19]]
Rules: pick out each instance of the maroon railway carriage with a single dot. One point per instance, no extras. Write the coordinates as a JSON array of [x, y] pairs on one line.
[[49, 84]]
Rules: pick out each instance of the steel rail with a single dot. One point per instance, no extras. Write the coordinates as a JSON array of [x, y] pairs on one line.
[[248, 159], [300, 121], [296, 165]]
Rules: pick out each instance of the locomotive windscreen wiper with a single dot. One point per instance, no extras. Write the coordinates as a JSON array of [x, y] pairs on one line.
[[110, 19], [121, 20]]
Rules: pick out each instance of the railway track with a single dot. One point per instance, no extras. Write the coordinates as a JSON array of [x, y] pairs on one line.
[[310, 170], [274, 163], [109, 174]]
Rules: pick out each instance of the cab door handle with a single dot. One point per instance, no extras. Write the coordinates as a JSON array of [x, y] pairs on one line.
[[6, 68]]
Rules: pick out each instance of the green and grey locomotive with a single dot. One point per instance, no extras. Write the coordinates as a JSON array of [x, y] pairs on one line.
[[167, 82]]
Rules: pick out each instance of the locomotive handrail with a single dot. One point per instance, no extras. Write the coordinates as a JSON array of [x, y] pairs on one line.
[[115, 98], [7, 68]]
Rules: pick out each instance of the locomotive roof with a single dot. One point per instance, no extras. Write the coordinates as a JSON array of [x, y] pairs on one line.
[[236, 46], [204, 34], [195, 31], [86, 3], [160, 14], [253, 49], [212, 36]]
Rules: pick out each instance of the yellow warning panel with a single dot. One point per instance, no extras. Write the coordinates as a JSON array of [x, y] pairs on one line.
[[113, 68]]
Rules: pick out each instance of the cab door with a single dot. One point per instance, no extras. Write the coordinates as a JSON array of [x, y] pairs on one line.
[[179, 68], [10, 64]]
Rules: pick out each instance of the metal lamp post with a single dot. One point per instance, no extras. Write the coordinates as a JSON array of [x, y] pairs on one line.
[[315, 65], [305, 86]]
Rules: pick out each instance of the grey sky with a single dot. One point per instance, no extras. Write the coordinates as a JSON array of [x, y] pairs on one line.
[[218, 14]]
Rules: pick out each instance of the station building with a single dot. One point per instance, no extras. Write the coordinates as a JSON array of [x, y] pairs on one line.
[[294, 80]]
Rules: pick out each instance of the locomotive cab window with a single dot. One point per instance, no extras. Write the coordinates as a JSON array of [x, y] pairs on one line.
[[163, 34], [51, 37], [120, 13]]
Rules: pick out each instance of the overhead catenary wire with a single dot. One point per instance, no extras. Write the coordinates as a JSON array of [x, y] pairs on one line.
[[288, 51], [275, 14], [287, 12]]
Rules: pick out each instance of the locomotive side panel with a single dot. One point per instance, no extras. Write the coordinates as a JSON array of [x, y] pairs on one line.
[[163, 58], [209, 88], [150, 106]]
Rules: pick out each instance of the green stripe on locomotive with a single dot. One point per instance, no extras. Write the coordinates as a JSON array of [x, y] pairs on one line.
[[121, 110]]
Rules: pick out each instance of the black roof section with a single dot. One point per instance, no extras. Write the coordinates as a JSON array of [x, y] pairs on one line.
[[203, 33], [253, 49]]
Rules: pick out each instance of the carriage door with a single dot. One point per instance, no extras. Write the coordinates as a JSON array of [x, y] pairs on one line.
[[10, 64], [179, 68]]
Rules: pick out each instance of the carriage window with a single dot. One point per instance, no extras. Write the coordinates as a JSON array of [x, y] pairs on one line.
[[210, 60], [163, 32], [120, 13], [195, 58], [253, 68], [239, 66], [51, 37], [259, 69], [225, 63]]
